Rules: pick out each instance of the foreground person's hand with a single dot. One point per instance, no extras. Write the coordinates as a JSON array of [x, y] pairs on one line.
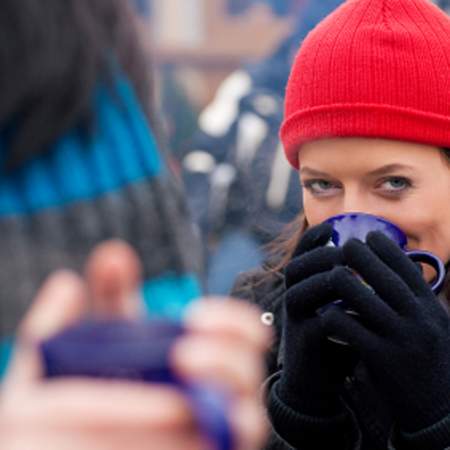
[[225, 345]]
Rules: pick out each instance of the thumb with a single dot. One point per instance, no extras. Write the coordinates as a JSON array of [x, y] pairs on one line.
[[60, 302], [113, 273]]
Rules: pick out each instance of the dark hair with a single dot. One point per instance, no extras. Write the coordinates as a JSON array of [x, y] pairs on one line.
[[52, 55], [283, 247]]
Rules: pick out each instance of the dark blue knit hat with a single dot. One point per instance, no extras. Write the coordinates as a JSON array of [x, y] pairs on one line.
[[112, 184]]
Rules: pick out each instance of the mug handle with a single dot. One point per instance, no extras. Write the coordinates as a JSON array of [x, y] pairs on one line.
[[434, 262]]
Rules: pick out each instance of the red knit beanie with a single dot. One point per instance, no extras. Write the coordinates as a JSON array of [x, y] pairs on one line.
[[373, 68]]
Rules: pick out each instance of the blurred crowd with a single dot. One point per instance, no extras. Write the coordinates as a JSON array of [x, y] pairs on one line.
[[229, 153]]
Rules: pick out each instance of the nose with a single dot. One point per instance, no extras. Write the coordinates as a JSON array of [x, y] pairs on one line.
[[356, 201]]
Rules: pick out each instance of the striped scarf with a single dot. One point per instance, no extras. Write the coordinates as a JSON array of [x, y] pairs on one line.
[[113, 184]]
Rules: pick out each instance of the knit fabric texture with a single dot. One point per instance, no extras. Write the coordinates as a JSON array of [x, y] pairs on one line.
[[373, 68], [114, 183]]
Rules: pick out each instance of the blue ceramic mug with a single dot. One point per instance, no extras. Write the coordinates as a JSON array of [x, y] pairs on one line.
[[359, 225], [135, 350]]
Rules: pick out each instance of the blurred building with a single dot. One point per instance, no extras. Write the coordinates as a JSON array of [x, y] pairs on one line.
[[204, 40]]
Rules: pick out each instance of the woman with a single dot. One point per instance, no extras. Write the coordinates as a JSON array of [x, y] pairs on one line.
[[79, 165], [367, 124]]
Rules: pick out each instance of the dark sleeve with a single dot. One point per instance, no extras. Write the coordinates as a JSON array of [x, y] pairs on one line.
[[303, 432], [435, 437], [340, 432]]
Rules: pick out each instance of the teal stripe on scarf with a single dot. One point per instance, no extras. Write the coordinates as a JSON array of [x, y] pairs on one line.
[[167, 296], [6, 348], [122, 150]]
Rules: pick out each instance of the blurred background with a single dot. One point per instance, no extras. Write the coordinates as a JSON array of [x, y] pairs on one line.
[[221, 70]]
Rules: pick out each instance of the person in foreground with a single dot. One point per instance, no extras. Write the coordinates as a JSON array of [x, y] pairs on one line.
[[78, 413], [79, 166], [367, 124]]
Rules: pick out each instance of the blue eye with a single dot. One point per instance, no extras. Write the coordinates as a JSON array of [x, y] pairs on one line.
[[396, 184], [322, 184], [320, 187]]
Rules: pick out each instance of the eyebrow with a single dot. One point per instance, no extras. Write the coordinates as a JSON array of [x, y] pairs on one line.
[[389, 168], [312, 172]]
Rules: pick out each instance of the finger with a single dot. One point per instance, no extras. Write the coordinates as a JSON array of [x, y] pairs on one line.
[[338, 323], [344, 358], [306, 297], [386, 283], [113, 272], [314, 237], [106, 405], [373, 312], [392, 255], [60, 302], [321, 259], [223, 316], [249, 422], [228, 363], [72, 438], [100, 409]]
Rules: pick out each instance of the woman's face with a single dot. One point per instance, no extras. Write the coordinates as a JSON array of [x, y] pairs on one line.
[[407, 184]]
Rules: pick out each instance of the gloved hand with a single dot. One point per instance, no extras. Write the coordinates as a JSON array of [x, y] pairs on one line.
[[314, 368], [402, 333]]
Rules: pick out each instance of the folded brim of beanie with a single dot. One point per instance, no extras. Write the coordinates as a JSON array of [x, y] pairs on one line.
[[362, 120]]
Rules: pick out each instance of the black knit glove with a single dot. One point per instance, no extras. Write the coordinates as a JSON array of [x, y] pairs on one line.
[[314, 368], [402, 334]]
